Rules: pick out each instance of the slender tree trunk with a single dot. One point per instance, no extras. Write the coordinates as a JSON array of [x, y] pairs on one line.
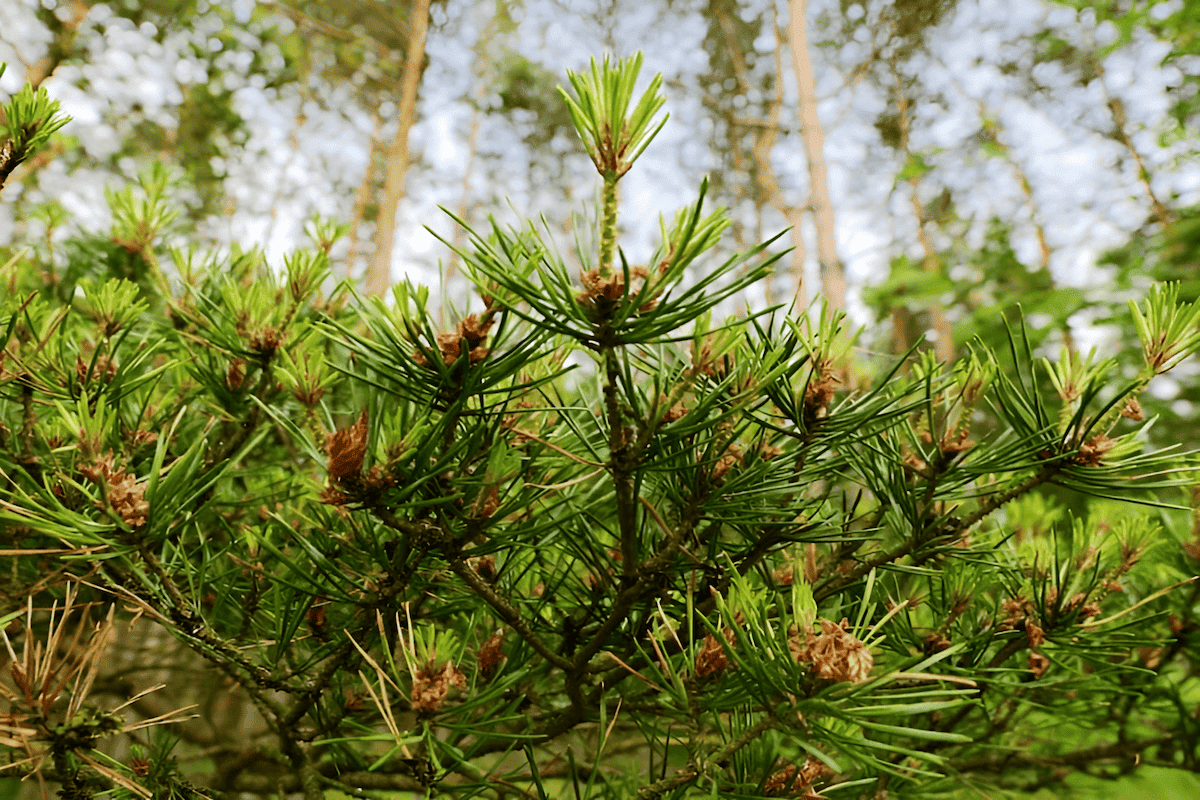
[[768, 186], [361, 198], [64, 32], [833, 278], [991, 129], [768, 190], [1162, 215], [769, 182], [460, 233], [944, 346], [719, 11], [900, 318], [379, 271]]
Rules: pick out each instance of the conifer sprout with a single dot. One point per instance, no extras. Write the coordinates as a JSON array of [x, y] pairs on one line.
[[266, 537]]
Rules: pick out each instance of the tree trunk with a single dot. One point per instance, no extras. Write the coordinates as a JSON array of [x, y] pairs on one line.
[[1158, 210], [718, 10], [833, 278], [768, 190], [460, 233], [379, 271], [944, 346], [64, 32], [361, 197], [769, 183], [992, 131]]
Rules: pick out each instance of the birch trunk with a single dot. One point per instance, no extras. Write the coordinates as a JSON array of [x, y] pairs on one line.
[[833, 278], [768, 190], [379, 271], [361, 197], [943, 347], [992, 131], [460, 233], [1159, 211]]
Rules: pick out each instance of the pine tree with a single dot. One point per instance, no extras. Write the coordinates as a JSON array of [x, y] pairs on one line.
[[586, 541]]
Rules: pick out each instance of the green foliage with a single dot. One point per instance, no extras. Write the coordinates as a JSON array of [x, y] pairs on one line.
[[989, 284], [141, 216], [27, 122], [1166, 254], [1175, 23], [904, 22], [525, 85], [585, 541], [613, 135], [209, 128], [366, 41]]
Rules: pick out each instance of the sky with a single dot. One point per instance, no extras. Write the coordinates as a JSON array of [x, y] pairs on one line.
[[305, 157]]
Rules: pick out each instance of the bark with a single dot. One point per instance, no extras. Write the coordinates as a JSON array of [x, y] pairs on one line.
[[379, 271], [769, 183], [900, 319], [944, 346], [768, 190], [1158, 210], [460, 233], [1039, 230], [362, 197], [737, 163], [833, 279], [64, 37]]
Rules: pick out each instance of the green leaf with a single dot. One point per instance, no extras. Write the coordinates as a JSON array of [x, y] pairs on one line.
[[915, 167]]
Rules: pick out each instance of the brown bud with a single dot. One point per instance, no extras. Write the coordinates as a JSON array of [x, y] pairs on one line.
[[431, 686], [491, 656], [1091, 452], [1133, 410], [346, 449], [1035, 634], [836, 654], [711, 661], [236, 374], [1038, 664]]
